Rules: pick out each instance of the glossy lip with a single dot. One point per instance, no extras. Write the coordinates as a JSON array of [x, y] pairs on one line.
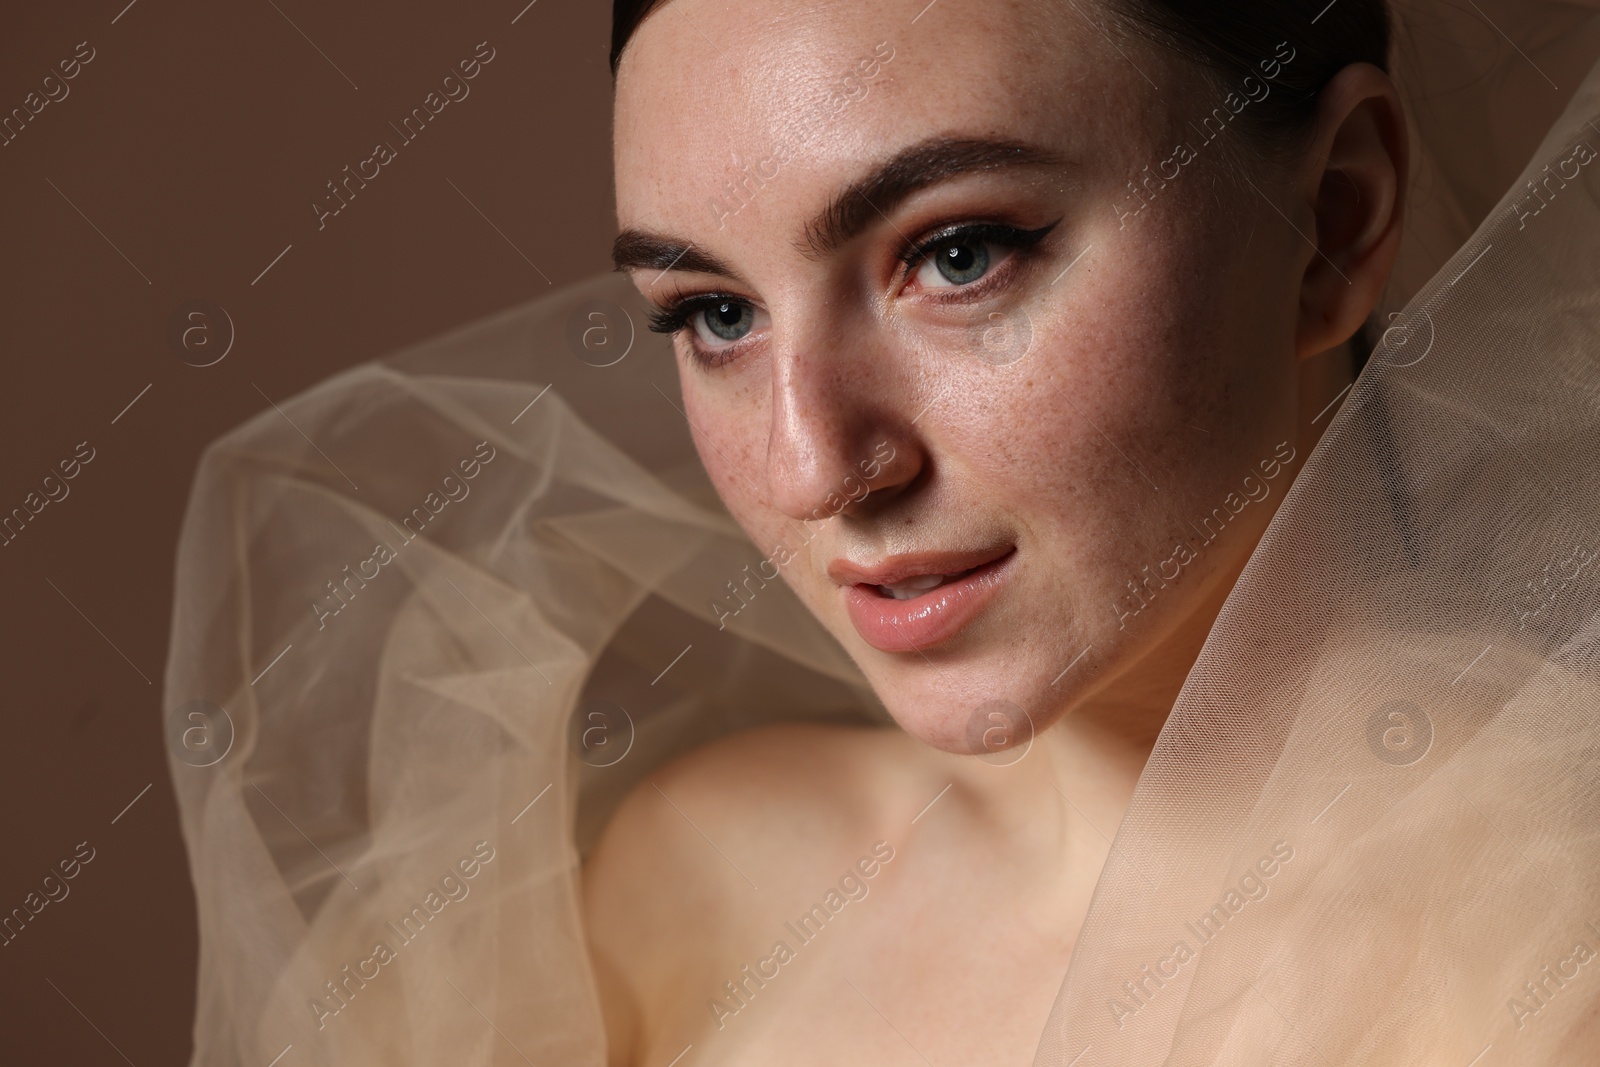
[[935, 616], [914, 565]]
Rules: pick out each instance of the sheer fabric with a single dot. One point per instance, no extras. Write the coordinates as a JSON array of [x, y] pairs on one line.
[[1370, 830], [442, 572], [416, 663]]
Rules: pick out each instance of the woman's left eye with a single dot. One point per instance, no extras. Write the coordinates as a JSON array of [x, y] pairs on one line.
[[963, 256], [959, 262]]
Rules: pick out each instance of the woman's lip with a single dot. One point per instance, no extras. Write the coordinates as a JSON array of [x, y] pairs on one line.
[[929, 619], [913, 565]]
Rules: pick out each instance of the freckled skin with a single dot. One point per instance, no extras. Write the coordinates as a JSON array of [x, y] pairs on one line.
[[1176, 355]]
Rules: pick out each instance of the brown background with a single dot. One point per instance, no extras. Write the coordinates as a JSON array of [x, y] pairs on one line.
[[195, 141]]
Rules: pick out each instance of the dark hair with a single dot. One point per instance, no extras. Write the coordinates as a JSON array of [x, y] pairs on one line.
[[625, 18], [1235, 40]]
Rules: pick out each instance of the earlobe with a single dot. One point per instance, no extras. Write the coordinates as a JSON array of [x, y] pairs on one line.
[[1357, 166]]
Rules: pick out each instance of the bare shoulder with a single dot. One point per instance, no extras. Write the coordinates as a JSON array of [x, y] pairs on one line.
[[708, 825], [699, 850]]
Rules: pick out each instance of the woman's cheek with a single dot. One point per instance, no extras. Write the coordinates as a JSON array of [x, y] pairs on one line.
[[725, 436], [1116, 460]]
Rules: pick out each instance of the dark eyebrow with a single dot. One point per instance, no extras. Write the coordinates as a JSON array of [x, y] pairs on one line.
[[911, 170], [641, 249], [854, 208]]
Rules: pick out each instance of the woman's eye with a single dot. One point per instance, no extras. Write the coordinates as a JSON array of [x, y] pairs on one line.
[[723, 323], [962, 255], [958, 262]]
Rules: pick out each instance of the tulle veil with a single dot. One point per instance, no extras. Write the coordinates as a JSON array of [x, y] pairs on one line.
[[438, 613]]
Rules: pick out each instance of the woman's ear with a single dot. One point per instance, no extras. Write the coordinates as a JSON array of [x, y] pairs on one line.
[[1355, 173]]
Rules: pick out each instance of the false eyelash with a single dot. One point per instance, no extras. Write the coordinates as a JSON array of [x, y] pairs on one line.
[[676, 316], [1007, 236]]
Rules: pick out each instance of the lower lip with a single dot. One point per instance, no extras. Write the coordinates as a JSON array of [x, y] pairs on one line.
[[890, 625]]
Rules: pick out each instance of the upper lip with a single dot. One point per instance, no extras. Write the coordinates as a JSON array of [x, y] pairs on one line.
[[907, 565]]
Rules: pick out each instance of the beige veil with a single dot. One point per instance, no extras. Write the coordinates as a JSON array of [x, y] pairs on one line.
[[1370, 830], [435, 615]]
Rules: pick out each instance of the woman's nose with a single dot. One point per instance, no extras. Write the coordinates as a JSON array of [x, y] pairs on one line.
[[840, 429]]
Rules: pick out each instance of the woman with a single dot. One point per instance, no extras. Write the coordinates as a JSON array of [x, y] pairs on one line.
[[1171, 326], [1178, 312], [1005, 375]]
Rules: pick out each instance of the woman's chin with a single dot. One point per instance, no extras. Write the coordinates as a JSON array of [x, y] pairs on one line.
[[993, 728]]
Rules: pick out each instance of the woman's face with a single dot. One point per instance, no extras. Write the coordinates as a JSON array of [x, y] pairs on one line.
[[944, 331]]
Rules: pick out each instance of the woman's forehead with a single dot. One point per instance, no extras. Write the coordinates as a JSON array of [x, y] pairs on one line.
[[711, 92]]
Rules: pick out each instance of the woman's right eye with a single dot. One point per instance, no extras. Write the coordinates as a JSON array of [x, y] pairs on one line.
[[714, 324], [723, 323]]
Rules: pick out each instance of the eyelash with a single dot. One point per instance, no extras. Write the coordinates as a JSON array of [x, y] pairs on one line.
[[1010, 237], [676, 316]]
